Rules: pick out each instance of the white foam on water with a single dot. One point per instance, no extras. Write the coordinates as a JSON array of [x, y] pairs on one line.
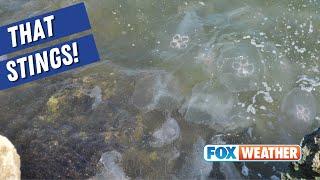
[[307, 83], [266, 96]]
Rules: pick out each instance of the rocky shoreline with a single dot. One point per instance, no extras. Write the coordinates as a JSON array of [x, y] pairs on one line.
[[309, 165], [307, 168], [9, 160], [66, 131]]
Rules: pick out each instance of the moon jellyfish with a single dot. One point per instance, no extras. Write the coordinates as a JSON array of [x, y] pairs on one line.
[[239, 67], [168, 132], [179, 41], [244, 18], [208, 104], [195, 166], [189, 23], [215, 107], [112, 169], [228, 169], [281, 74], [298, 110], [175, 41], [242, 66], [96, 94], [156, 91]]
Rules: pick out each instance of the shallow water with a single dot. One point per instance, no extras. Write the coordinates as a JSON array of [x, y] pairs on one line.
[[247, 70]]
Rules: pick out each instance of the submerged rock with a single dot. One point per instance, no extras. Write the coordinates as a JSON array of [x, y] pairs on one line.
[[58, 127], [9, 160], [309, 165]]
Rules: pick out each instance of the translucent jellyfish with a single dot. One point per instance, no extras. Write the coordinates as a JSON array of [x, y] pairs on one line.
[[274, 177], [172, 155], [168, 132], [206, 55], [96, 94], [239, 67], [298, 110], [156, 91], [303, 113], [242, 66], [244, 18], [214, 107], [195, 166], [179, 41], [189, 23], [112, 169], [228, 169], [245, 170], [209, 105], [280, 73], [179, 36]]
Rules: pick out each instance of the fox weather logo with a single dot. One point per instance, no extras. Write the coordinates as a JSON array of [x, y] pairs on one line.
[[252, 152], [220, 153]]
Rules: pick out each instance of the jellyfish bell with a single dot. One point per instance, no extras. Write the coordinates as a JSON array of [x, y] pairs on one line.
[[213, 106], [206, 58], [298, 111], [280, 72], [194, 166], [208, 104], [244, 18], [169, 132], [179, 36], [156, 90], [206, 54], [239, 67], [190, 22], [112, 169]]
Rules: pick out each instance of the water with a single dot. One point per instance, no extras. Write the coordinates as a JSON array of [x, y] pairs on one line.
[[183, 70]]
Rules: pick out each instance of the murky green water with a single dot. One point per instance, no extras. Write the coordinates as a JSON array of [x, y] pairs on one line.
[[175, 75]]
